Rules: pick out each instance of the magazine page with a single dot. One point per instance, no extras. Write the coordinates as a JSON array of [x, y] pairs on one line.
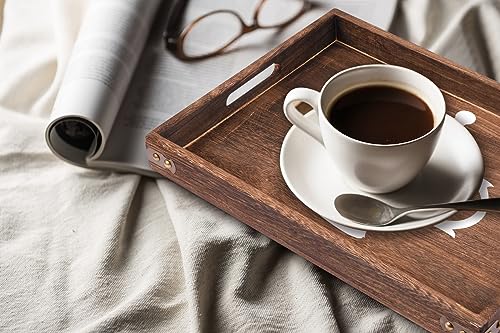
[[109, 44], [163, 85]]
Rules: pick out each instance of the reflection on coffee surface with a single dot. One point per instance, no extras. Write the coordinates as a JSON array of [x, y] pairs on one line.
[[381, 115]]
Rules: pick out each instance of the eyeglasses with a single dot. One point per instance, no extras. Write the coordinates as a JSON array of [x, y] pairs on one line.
[[211, 34]]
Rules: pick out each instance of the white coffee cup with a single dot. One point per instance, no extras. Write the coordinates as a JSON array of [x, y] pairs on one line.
[[376, 168]]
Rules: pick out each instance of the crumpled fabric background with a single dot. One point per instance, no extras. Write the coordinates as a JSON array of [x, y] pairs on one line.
[[87, 251]]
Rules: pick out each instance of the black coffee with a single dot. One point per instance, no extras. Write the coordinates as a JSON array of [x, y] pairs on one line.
[[381, 115]]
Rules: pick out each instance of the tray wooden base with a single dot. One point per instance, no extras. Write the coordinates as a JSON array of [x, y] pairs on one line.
[[229, 156]]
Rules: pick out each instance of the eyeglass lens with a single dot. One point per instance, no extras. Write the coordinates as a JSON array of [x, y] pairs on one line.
[[275, 13], [212, 33]]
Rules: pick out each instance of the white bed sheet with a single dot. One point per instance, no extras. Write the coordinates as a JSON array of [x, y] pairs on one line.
[[84, 250]]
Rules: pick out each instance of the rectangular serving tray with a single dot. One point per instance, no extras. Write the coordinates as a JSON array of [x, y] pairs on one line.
[[229, 156]]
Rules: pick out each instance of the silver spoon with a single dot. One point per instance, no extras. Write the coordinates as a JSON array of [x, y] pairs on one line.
[[369, 211]]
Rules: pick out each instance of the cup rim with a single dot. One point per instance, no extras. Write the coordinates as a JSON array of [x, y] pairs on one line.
[[391, 145]]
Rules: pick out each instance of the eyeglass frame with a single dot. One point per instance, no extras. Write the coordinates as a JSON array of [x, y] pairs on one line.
[[175, 42]]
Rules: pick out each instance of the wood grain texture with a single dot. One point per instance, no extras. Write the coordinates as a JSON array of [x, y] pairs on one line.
[[229, 156]]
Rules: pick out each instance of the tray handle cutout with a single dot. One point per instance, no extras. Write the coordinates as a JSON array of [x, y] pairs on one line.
[[252, 83]]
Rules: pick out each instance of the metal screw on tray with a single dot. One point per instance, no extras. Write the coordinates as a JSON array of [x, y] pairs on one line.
[[169, 165], [370, 211]]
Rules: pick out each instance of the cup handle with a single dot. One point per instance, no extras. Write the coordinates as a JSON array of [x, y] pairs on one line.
[[293, 115]]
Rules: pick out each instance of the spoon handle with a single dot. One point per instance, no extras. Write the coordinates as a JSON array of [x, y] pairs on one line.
[[487, 205]]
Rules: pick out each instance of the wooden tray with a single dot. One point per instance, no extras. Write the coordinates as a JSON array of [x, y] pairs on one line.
[[229, 156]]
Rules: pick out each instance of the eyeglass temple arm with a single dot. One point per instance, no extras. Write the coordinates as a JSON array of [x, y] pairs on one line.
[[174, 19]]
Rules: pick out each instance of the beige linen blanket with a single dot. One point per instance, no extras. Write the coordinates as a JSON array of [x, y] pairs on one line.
[[95, 251]]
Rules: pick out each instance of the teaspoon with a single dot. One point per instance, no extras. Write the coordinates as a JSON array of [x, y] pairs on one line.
[[370, 211]]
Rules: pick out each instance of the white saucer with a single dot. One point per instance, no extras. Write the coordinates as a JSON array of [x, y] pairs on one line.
[[454, 173]]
